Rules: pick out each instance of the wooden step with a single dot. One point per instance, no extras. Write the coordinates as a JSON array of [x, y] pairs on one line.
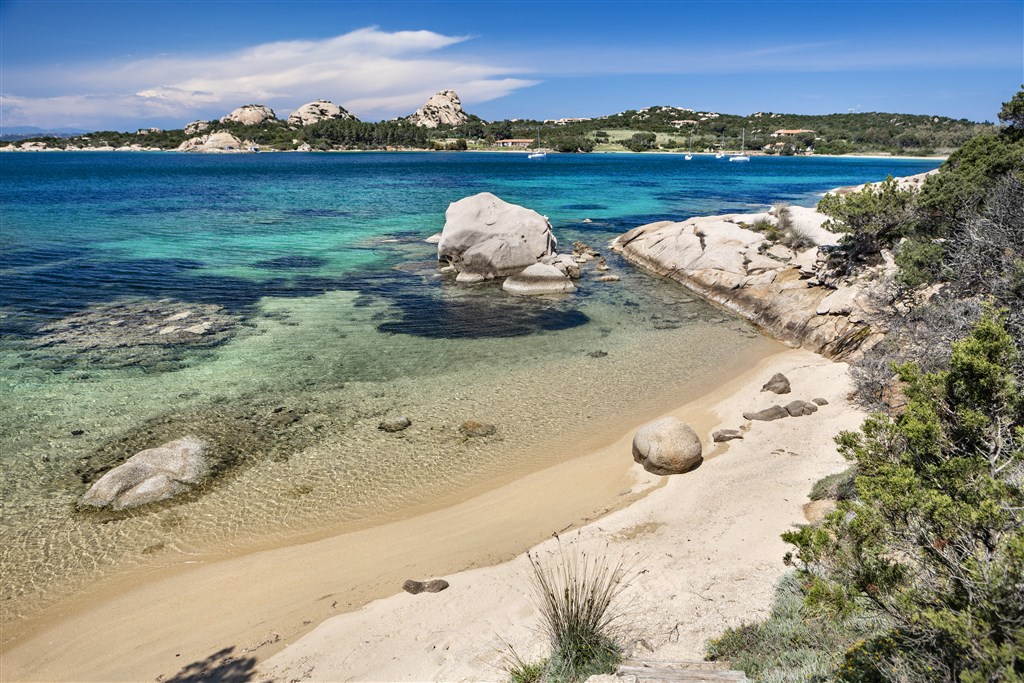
[[678, 671]]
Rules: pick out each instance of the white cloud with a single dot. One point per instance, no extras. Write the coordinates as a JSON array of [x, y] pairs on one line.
[[373, 73]]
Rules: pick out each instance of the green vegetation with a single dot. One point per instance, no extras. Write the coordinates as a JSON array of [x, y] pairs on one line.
[[933, 547], [793, 644], [673, 129], [577, 597], [918, 574]]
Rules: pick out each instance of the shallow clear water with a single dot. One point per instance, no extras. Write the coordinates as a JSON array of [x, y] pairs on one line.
[[333, 317]]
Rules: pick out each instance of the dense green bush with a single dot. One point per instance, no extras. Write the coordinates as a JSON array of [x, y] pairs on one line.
[[872, 219], [933, 547]]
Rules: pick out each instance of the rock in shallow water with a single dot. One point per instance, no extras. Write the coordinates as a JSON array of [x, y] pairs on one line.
[[149, 476], [538, 279], [667, 446], [394, 424], [474, 428]]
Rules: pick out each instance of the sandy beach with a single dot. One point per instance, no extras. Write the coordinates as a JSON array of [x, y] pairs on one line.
[[707, 545]]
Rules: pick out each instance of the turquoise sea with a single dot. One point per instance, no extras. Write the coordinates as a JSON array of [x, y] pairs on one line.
[[325, 315]]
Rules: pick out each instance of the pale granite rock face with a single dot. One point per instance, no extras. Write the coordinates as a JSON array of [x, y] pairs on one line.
[[538, 279], [196, 127], [250, 115], [320, 110], [150, 476], [486, 236], [777, 288], [221, 141], [667, 446], [442, 109]]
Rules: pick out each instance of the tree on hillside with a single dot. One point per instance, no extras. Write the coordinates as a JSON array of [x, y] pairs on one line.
[[1012, 113]]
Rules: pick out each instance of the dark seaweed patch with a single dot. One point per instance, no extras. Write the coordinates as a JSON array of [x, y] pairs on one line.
[[295, 262], [489, 315]]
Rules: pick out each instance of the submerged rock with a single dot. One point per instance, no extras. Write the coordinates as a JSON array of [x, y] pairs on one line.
[[137, 332], [395, 424], [150, 476], [474, 428], [667, 446]]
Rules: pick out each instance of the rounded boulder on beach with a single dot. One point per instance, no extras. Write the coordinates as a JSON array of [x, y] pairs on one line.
[[667, 446]]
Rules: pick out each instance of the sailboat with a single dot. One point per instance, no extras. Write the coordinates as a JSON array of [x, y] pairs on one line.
[[689, 148], [721, 147], [536, 153], [743, 143]]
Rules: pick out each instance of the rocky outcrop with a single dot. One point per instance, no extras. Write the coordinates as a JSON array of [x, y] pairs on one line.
[[485, 237], [221, 141], [786, 291], [910, 182], [320, 110], [196, 127], [667, 446], [250, 115], [150, 476], [538, 279], [442, 109]]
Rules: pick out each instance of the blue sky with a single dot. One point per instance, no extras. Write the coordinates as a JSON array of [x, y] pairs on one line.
[[125, 64]]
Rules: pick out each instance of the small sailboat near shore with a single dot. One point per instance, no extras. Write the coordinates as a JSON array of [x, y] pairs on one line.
[[537, 153], [743, 145]]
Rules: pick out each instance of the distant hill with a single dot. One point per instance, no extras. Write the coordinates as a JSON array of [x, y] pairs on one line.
[[652, 128], [25, 132]]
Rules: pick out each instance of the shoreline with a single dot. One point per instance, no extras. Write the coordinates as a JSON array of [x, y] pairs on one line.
[[939, 157], [258, 601], [705, 546]]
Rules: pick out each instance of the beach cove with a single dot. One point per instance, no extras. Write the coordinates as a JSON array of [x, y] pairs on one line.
[[554, 398]]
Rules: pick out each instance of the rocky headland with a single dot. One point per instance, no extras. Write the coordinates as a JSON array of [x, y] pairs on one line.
[[772, 269], [317, 111]]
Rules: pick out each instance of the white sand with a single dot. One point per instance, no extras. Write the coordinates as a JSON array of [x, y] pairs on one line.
[[706, 547]]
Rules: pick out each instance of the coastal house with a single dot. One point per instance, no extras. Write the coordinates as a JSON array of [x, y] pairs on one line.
[[790, 133], [684, 122], [515, 142]]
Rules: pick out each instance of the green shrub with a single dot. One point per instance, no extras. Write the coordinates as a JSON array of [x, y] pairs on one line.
[[874, 218], [577, 598], [920, 261], [933, 547], [793, 644], [839, 486]]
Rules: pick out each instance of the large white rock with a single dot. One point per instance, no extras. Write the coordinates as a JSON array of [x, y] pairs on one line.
[[487, 236], [540, 278], [442, 109], [149, 476], [221, 141], [196, 127], [667, 446], [250, 115], [320, 110]]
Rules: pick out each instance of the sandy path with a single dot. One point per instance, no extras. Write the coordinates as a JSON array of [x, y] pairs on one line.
[[707, 544]]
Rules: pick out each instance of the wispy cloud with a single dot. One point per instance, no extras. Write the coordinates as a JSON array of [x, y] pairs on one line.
[[375, 74]]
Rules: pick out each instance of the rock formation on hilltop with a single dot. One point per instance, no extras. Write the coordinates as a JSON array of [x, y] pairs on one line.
[[442, 109], [250, 115], [320, 110], [196, 127]]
